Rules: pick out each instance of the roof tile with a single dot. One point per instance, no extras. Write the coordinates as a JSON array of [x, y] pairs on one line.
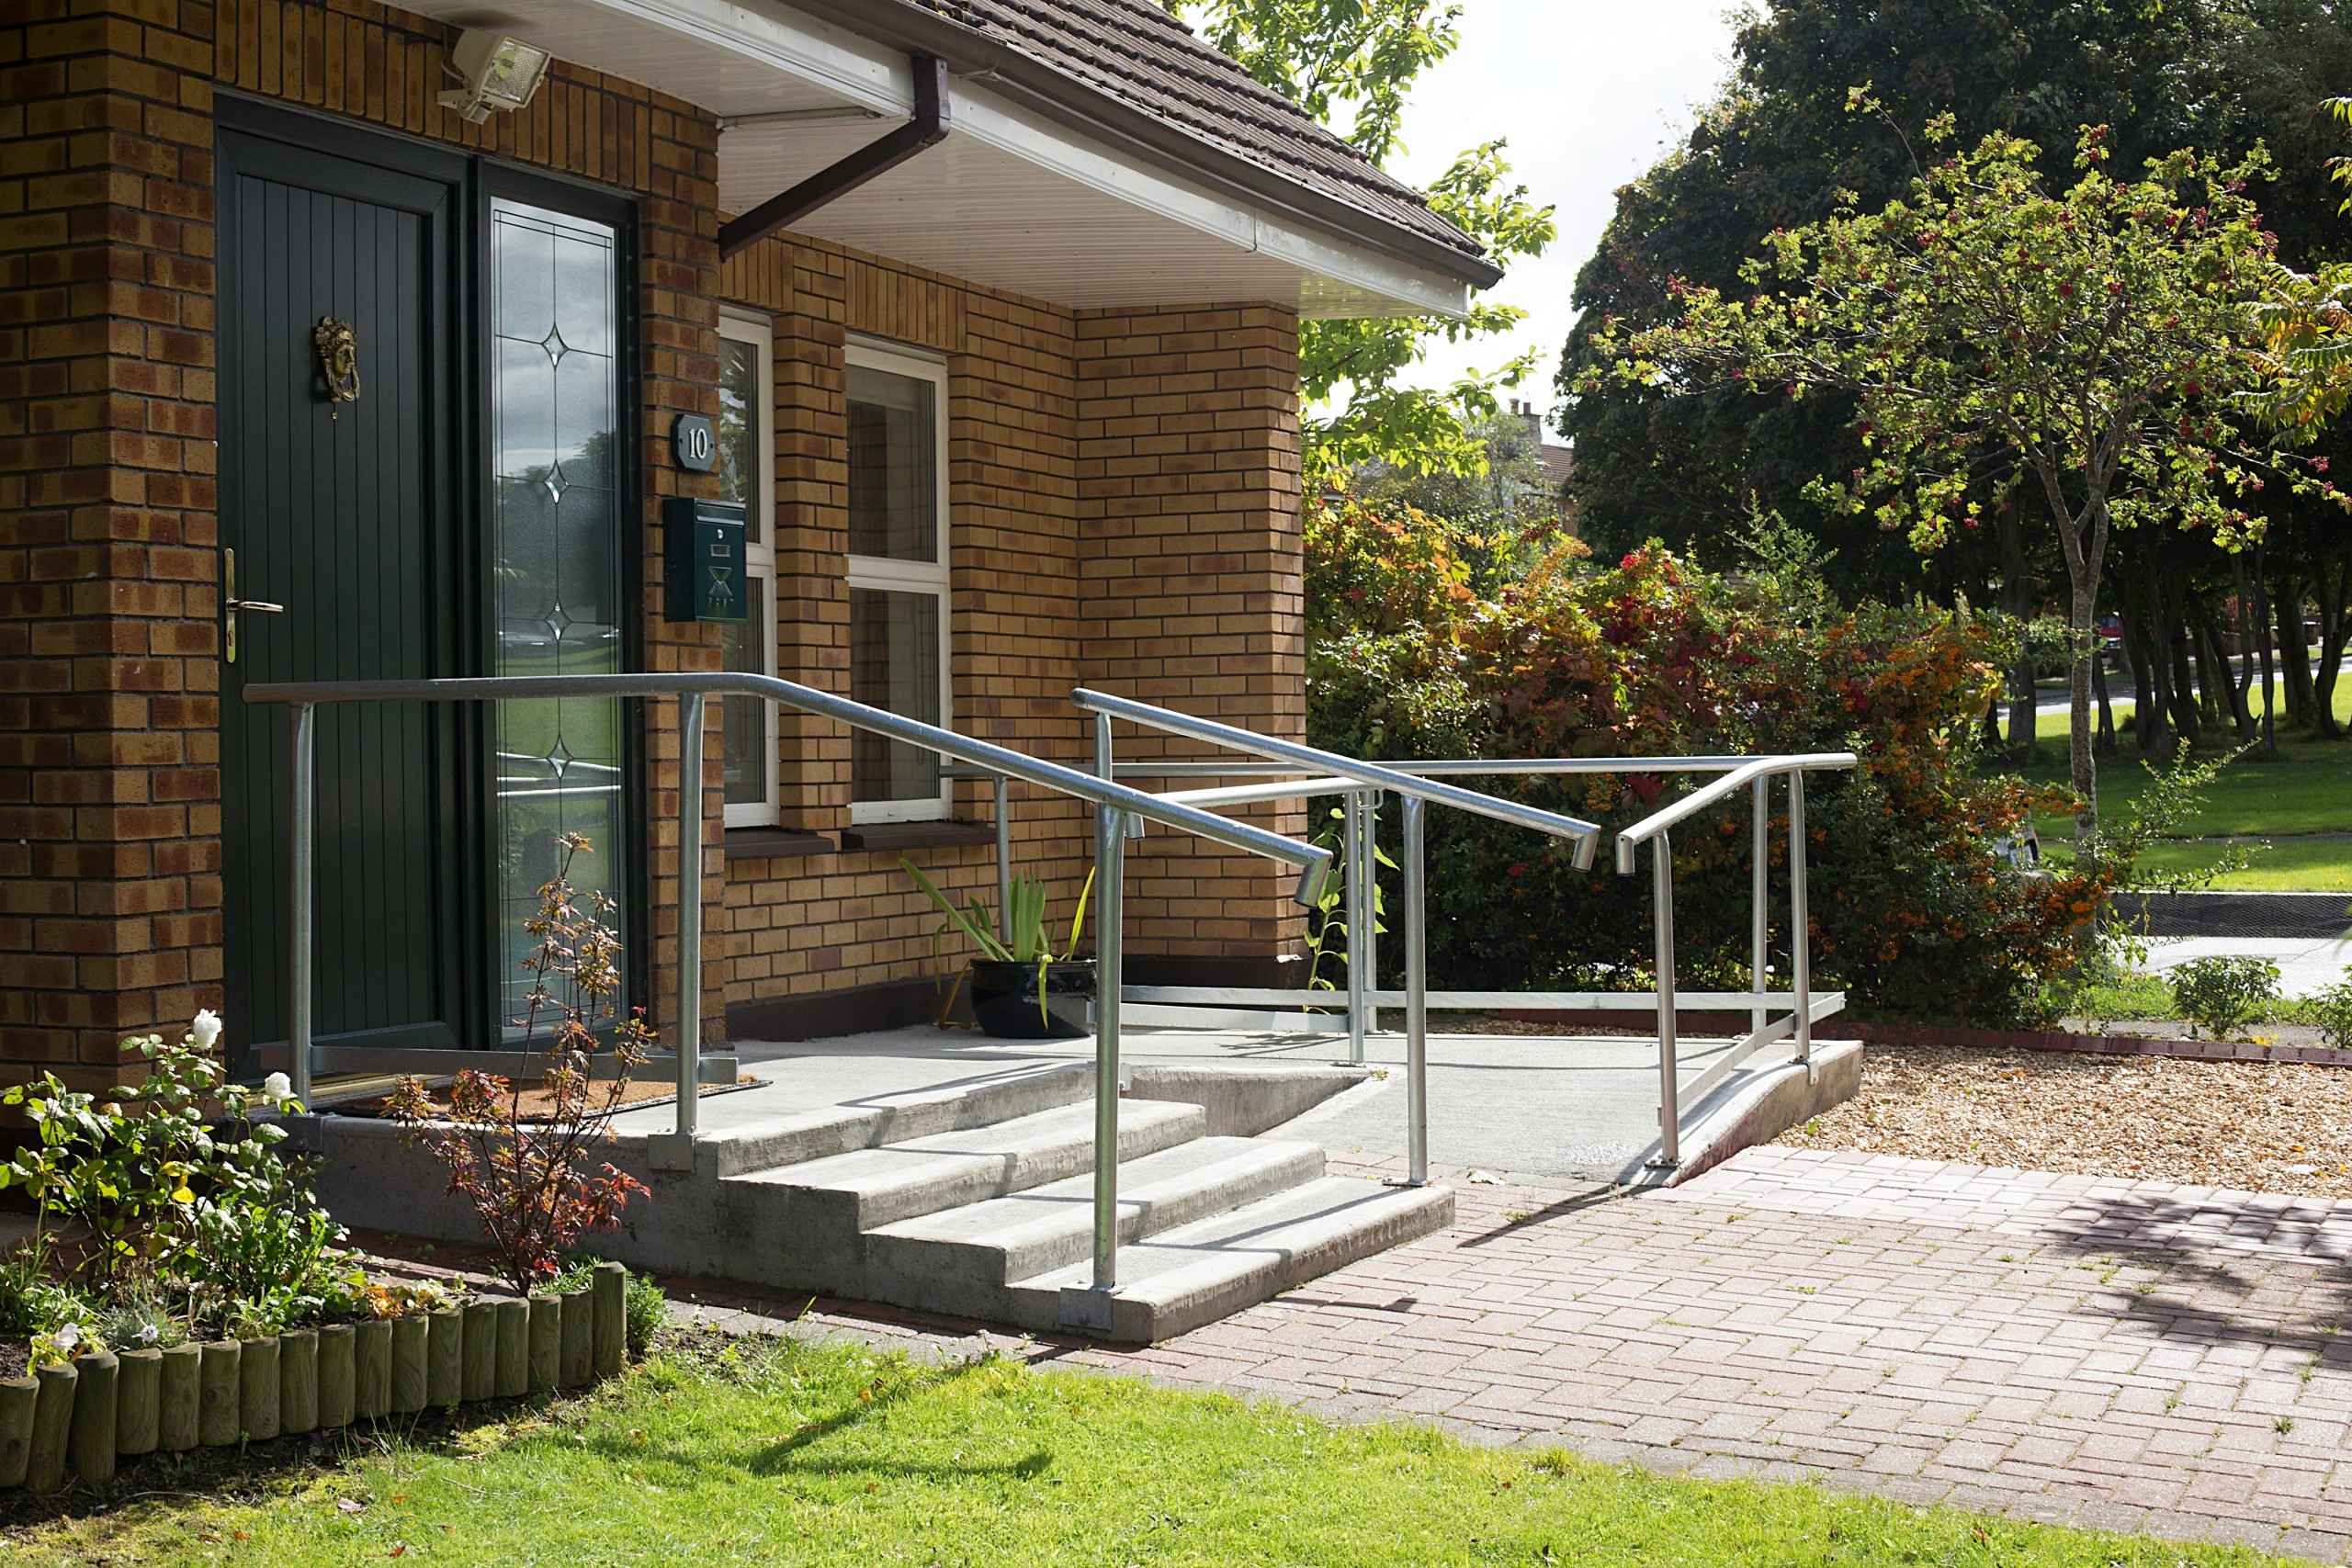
[[1135, 51]]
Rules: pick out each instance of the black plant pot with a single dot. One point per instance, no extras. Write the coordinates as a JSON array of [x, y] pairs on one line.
[[1004, 999]]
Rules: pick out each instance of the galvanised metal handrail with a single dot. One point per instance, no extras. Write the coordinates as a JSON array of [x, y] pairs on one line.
[[1365, 1001], [1116, 805], [1657, 829], [1355, 777]]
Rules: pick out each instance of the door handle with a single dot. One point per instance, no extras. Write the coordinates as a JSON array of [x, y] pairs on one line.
[[231, 605]]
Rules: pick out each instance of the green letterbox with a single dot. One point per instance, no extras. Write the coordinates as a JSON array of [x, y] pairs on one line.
[[702, 547]]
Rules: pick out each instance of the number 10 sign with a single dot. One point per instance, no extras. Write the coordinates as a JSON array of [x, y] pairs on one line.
[[695, 444]]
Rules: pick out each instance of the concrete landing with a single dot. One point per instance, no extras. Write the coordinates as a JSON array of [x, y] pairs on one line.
[[1581, 1108]]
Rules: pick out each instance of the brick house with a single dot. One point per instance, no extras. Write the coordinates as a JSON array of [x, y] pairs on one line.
[[315, 364]]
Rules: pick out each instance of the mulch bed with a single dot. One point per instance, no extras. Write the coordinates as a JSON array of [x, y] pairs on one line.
[[2264, 1126]]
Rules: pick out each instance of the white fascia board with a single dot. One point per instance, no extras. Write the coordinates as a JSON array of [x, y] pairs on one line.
[[870, 76], [861, 72], [984, 116]]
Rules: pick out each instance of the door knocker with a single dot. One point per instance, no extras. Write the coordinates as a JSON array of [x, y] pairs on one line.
[[338, 361]]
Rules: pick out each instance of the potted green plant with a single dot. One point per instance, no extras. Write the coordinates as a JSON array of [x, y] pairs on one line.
[[1022, 989]]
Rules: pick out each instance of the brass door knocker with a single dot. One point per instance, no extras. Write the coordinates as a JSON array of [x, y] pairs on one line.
[[338, 347]]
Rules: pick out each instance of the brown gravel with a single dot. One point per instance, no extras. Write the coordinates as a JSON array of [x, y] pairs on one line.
[[2268, 1127]]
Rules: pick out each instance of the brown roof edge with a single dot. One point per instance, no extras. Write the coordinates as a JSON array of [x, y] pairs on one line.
[[1063, 99]]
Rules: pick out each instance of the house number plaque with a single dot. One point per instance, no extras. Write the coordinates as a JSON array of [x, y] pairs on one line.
[[694, 443]]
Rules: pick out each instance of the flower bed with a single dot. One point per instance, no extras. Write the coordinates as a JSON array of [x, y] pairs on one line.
[[182, 1288], [81, 1414]]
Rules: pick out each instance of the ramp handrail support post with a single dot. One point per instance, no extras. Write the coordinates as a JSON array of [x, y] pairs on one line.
[[1417, 999], [1359, 917], [1800, 924], [1669, 1086], [1759, 895], [1110, 952], [1368, 846], [1003, 789], [691, 718], [302, 876]]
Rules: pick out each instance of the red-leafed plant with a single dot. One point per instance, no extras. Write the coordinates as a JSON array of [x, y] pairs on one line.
[[526, 1166]]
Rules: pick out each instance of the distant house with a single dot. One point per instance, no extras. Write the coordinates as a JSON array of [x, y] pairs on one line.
[[1558, 461], [346, 341]]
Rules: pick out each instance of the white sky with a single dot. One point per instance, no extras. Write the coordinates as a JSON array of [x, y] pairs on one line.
[[1589, 92]]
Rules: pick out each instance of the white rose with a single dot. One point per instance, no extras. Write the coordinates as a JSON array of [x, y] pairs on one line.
[[206, 1029], [277, 1088]]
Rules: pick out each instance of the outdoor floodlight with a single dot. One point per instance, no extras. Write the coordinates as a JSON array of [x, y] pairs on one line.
[[500, 74]]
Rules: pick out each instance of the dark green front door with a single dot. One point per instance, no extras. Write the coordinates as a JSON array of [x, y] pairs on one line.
[[341, 510]]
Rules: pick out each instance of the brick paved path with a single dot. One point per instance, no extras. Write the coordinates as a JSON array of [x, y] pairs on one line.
[[1797, 1315], [2122, 1356]]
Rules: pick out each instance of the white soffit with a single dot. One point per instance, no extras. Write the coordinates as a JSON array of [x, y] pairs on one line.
[[1010, 199]]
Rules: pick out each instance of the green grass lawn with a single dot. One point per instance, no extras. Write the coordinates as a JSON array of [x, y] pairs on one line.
[[834, 1456], [2308, 790], [2284, 865]]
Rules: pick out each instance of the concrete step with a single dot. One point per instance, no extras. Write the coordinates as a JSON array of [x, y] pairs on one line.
[[963, 1260], [745, 1132], [807, 1220], [1197, 1274]]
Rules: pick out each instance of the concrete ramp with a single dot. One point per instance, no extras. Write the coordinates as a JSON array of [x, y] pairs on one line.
[[1580, 1107]]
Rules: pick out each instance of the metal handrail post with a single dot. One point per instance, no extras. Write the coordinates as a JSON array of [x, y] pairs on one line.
[[1003, 858], [1369, 846], [1669, 1083], [1417, 1001], [1359, 912], [1110, 964], [302, 876], [1800, 924], [1759, 892], [689, 1051]]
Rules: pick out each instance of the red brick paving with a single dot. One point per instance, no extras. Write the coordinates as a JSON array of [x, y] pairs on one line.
[[2116, 1355]]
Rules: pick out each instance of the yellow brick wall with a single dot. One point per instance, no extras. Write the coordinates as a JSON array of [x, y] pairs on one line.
[[109, 785], [831, 921], [1189, 488], [1123, 495], [1123, 502]]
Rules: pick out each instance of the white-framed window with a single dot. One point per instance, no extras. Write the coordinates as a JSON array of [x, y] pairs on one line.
[[746, 479], [898, 576]]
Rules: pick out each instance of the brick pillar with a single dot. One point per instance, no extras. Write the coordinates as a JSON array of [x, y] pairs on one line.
[[812, 527], [678, 325], [1191, 595], [109, 782]]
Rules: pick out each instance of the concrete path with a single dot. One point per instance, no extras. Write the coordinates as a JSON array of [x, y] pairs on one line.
[[1991, 1340], [2307, 965]]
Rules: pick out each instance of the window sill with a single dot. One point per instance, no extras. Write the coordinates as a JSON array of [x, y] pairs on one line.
[[916, 835], [774, 843]]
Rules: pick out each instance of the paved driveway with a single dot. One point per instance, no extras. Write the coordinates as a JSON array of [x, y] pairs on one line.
[[2118, 1355]]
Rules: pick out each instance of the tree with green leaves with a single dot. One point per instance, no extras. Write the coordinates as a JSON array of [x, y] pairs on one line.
[[2306, 321], [2083, 347], [1776, 146], [1351, 64]]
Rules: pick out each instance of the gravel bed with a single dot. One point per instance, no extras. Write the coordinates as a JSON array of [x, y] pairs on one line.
[[2267, 1127]]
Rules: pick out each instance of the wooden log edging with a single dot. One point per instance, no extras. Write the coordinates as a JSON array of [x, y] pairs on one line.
[[81, 1416]]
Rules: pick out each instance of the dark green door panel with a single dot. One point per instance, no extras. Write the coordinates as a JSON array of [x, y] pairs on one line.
[[343, 514]]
